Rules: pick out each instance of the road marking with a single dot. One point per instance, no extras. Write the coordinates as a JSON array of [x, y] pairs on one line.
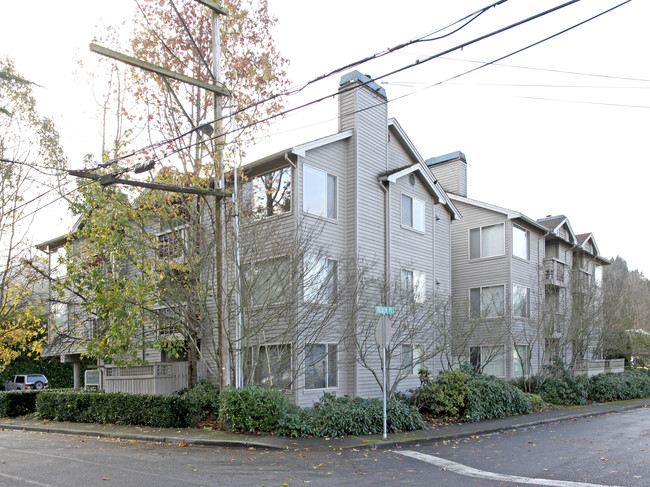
[[482, 474], [21, 479]]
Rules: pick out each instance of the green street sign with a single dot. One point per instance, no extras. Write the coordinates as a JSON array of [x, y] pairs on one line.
[[384, 310]]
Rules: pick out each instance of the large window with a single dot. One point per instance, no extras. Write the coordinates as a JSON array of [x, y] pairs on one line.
[[520, 301], [488, 360], [321, 370], [269, 194], [266, 282], [521, 361], [486, 241], [320, 280], [520, 242], [319, 192], [270, 366], [486, 302], [412, 213], [412, 358], [414, 285]]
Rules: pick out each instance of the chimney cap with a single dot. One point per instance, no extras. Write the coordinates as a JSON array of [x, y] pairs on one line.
[[364, 79]]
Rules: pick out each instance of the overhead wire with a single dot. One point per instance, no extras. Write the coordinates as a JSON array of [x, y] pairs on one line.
[[425, 37]]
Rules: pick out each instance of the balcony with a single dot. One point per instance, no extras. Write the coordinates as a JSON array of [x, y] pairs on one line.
[[556, 273]]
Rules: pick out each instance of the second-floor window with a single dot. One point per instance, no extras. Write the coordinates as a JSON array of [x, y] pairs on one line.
[[520, 242], [320, 279], [414, 285], [486, 302], [170, 244], [486, 241], [266, 282], [412, 213], [319, 192], [520, 301]]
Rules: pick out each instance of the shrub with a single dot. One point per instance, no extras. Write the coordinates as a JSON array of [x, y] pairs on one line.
[[17, 403], [202, 402], [164, 410], [444, 396], [332, 416], [631, 384], [490, 397], [564, 389], [252, 408], [536, 402]]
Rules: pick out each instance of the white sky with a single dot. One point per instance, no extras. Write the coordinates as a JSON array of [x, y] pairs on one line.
[[536, 140]]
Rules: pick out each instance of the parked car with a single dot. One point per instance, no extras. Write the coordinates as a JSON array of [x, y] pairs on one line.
[[23, 382]]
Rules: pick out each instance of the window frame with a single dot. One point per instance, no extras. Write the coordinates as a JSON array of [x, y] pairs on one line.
[[328, 358], [416, 287], [411, 225], [515, 288], [526, 234], [481, 230], [252, 192], [179, 235], [499, 314], [481, 365], [518, 363], [326, 181], [414, 354], [330, 280]]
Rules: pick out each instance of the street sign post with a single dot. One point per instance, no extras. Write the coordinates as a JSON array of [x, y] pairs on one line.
[[383, 334]]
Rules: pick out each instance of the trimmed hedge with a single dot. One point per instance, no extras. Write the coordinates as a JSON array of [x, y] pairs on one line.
[[252, 408], [17, 403], [159, 410], [631, 384]]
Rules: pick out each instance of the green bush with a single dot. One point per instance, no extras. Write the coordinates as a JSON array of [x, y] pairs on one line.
[[490, 397], [202, 402], [444, 396], [332, 416], [59, 375], [564, 389], [631, 384], [252, 408], [17, 403], [160, 410], [536, 402]]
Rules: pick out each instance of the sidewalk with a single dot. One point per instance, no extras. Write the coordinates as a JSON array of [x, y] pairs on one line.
[[197, 436]]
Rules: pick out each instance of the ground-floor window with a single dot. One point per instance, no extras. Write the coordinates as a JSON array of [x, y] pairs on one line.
[[488, 360], [321, 368], [411, 359], [270, 366], [521, 361]]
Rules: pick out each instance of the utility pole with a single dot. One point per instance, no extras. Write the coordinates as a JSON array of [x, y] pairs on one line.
[[218, 90]]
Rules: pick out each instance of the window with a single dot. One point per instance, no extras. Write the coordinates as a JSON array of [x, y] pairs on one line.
[[552, 250], [488, 360], [598, 275], [269, 194], [266, 281], [170, 244], [486, 241], [520, 301], [411, 359], [486, 302], [321, 371], [521, 361], [169, 319], [320, 280], [414, 285], [319, 192], [412, 213], [520, 242], [270, 366]]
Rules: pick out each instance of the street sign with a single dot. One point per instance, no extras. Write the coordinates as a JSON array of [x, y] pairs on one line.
[[384, 310], [383, 331]]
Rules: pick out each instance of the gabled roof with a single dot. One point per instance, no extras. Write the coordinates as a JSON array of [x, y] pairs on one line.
[[299, 150], [554, 223], [509, 214], [61, 240], [420, 167], [583, 239]]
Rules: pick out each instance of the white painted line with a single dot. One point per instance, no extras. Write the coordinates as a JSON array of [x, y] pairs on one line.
[[461, 469], [21, 479]]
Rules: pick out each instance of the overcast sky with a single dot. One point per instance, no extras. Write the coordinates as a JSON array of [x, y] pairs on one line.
[[560, 128]]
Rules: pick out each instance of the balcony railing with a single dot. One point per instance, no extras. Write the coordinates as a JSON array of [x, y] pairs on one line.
[[595, 367], [555, 272]]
